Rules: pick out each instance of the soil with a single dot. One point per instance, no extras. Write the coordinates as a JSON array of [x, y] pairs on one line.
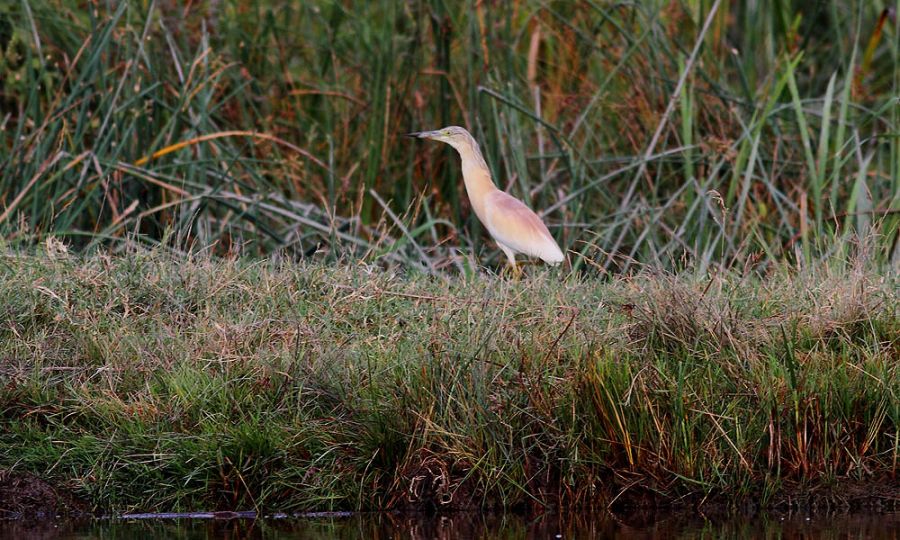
[[26, 495], [842, 496]]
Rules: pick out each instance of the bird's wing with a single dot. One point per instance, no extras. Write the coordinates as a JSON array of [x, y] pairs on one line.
[[512, 223]]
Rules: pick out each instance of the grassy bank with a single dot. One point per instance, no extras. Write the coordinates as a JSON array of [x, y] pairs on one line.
[[146, 382]]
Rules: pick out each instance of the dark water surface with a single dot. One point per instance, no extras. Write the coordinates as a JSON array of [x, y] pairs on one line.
[[463, 526]]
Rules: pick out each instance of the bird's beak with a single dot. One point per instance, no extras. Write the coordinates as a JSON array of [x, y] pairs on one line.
[[422, 134]]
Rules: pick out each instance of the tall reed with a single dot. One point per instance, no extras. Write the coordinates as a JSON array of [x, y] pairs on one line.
[[276, 127]]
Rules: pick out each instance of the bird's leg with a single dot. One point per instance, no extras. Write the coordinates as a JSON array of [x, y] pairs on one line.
[[512, 261], [512, 269], [517, 271]]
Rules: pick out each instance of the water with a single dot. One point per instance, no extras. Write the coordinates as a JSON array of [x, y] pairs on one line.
[[463, 526]]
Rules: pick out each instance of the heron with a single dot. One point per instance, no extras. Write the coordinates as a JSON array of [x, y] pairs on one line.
[[514, 226]]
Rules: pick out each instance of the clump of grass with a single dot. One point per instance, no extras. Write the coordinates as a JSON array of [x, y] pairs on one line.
[[157, 382], [723, 134]]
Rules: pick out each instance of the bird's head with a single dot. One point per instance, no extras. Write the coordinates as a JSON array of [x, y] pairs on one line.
[[455, 136]]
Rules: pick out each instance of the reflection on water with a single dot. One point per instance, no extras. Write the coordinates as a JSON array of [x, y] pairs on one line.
[[468, 525]]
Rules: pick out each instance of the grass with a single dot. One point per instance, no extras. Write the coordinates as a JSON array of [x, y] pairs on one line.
[[337, 344], [678, 134], [155, 382]]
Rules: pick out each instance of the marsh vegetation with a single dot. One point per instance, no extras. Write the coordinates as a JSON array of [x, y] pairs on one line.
[[227, 282], [146, 382], [655, 133]]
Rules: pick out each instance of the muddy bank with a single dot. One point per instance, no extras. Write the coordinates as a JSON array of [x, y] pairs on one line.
[[23, 495]]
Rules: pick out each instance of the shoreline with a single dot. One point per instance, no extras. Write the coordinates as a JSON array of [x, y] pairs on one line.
[[844, 496]]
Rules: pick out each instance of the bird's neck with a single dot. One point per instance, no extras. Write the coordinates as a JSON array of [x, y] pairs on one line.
[[477, 177]]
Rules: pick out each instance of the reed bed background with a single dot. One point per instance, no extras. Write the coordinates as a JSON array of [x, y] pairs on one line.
[[667, 133]]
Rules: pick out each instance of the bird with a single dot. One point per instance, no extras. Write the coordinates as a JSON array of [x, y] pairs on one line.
[[514, 226]]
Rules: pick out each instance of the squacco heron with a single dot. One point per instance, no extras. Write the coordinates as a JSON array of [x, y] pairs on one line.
[[514, 227]]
